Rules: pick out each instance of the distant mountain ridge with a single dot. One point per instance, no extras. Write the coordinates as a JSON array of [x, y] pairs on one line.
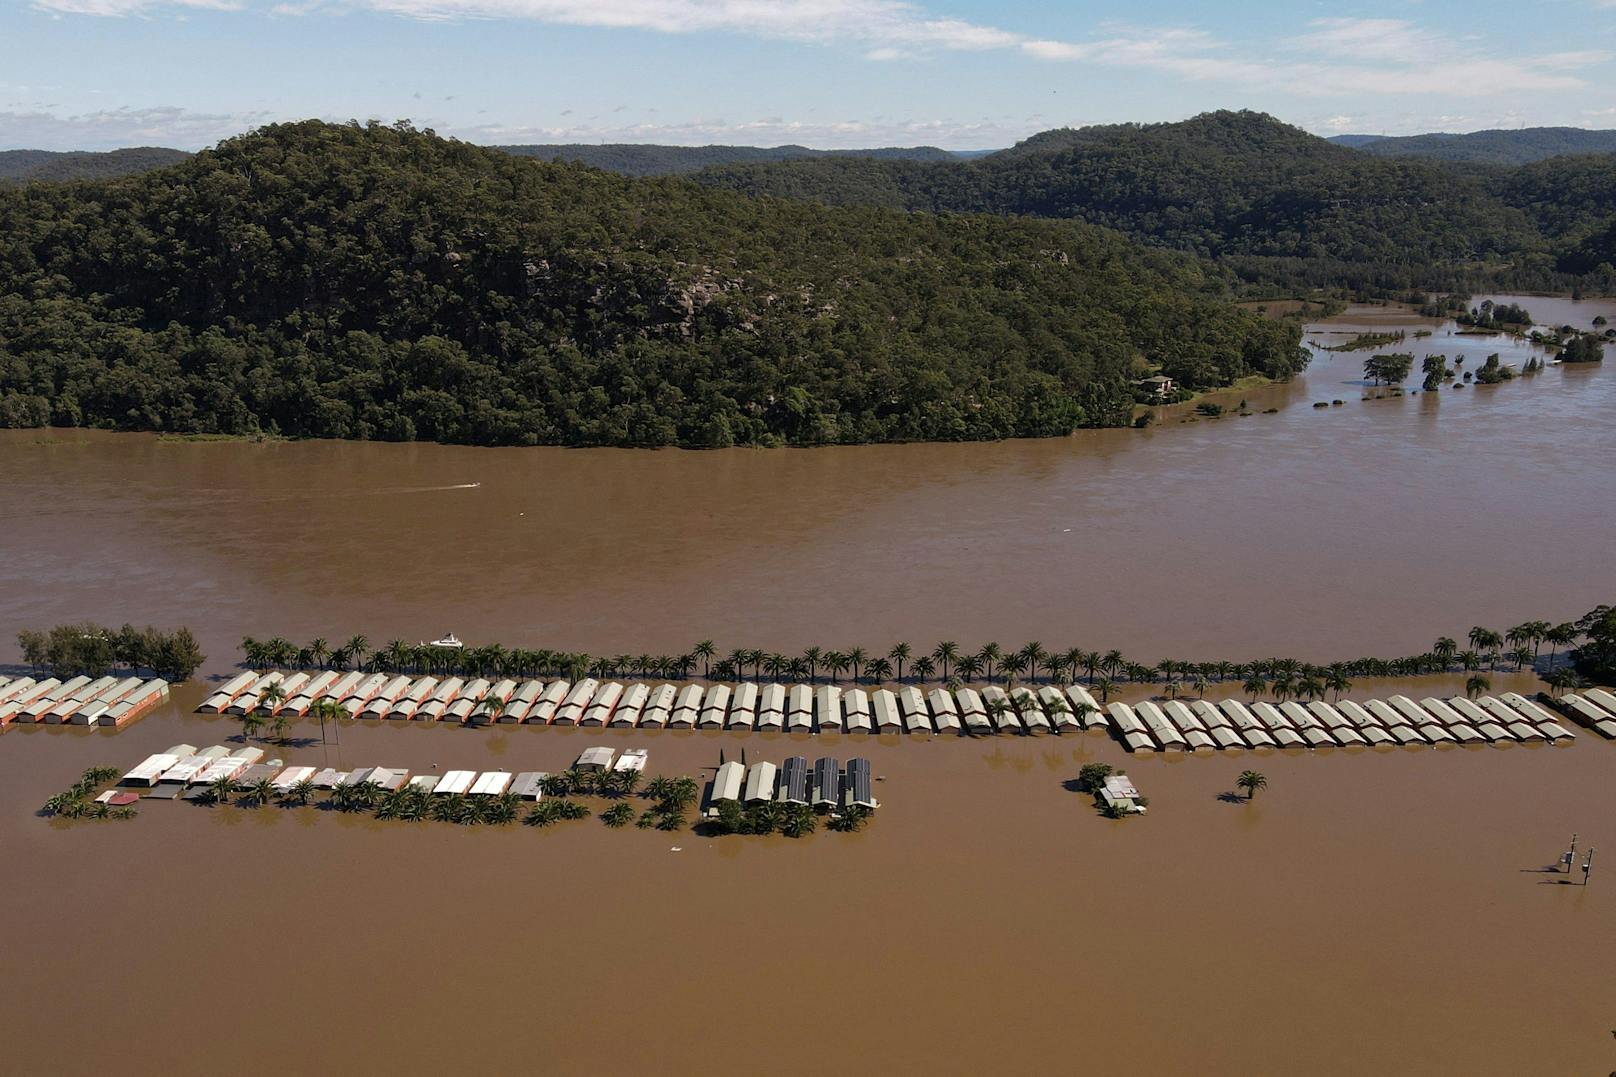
[[645, 159], [22, 166], [1524, 146], [1278, 206]]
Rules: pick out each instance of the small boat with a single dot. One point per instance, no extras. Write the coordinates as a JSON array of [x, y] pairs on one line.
[[448, 640]]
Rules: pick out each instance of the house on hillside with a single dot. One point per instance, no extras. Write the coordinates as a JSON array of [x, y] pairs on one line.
[[1159, 386]]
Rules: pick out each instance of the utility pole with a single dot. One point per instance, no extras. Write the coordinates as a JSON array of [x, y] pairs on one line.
[[1568, 859], [1587, 866]]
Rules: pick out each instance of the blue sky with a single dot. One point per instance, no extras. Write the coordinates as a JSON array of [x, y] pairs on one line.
[[95, 74]]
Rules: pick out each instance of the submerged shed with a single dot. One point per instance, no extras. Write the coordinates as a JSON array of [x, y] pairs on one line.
[[728, 784], [715, 707], [800, 709], [826, 790], [794, 781], [856, 710], [599, 711], [1132, 731], [686, 707], [760, 782], [550, 697], [1167, 737], [743, 706], [944, 711], [658, 707], [859, 787], [912, 705], [630, 706], [828, 709], [1250, 729], [885, 707]]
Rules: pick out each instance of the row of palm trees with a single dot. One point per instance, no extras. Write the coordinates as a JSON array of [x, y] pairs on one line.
[[946, 661]]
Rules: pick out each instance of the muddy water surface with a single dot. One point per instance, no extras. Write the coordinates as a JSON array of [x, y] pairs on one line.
[[1371, 912], [1371, 527]]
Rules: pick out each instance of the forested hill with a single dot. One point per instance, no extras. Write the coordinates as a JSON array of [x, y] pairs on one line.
[[1520, 147], [1279, 206], [379, 282], [20, 166], [634, 159]]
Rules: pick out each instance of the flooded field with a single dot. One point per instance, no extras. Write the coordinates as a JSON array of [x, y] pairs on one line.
[[1371, 911], [1377, 911]]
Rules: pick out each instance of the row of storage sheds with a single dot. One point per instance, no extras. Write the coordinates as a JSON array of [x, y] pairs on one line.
[[797, 708], [1594, 708], [1231, 724], [107, 702], [824, 784]]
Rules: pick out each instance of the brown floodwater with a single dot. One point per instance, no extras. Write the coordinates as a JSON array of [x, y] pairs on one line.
[[1371, 911], [1372, 527]]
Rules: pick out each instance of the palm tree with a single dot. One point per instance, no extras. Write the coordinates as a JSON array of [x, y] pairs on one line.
[[738, 659], [899, 654], [1056, 708], [1251, 781], [1335, 679], [489, 706], [1310, 687], [357, 647], [775, 664], [1522, 655], [251, 723], [299, 794], [856, 659], [319, 650], [996, 710], [1469, 660], [813, 656], [837, 663], [990, 654], [1112, 662], [1561, 635], [968, 666], [945, 652], [1200, 685], [924, 668], [271, 697], [321, 709], [706, 652], [1033, 654], [261, 792], [1476, 685], [1105, 686], [221, 788], [1566, 678], [1013, 666], [878, 669], [280, 724], [1445, 649]]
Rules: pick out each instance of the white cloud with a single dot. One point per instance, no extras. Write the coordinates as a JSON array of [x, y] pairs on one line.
[[766, 131], [1399, 59], [114, 8], [110, 128]]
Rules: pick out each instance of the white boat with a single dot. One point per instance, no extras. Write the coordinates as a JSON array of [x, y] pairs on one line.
[[449, 640]]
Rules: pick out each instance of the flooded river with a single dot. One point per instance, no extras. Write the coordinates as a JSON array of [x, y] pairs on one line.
[[1371, 911], [1372, 527]]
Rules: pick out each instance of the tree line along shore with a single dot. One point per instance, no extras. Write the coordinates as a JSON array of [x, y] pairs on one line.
[[1589, 642]]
